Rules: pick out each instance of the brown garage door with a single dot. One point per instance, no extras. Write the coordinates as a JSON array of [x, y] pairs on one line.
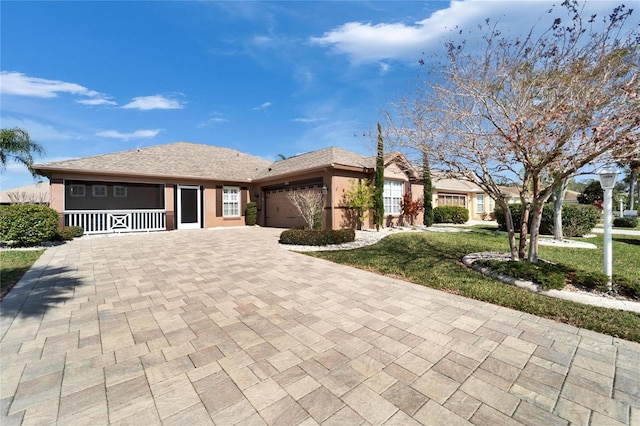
[[280, 213]]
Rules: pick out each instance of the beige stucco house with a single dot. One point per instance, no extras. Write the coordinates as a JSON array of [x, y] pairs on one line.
[[185, 185]]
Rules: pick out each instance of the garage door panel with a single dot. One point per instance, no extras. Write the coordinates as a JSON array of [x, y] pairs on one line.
[[280, 212]]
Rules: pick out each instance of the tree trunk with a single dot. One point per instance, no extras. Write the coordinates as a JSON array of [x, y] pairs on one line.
[[633, 177], [536, 218], [513, 251], [524, 230], [558, 199]]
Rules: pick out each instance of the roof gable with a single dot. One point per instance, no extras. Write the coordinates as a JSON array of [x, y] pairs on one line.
[[327, 157]]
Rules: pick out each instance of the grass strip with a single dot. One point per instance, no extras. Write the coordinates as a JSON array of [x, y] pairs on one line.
[[13, 265]]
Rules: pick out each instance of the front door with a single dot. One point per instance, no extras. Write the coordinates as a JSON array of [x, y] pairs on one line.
[[189, 210]]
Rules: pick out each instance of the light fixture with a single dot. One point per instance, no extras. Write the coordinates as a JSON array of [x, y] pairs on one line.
[[324, 190]]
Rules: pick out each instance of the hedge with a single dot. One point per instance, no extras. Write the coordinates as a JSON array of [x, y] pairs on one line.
[[450, 214], [306, 237], [577, 219], [625, 222], [27, 224], [68, 233]]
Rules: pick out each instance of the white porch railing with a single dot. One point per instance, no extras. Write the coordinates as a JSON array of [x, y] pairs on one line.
[[108, 221]]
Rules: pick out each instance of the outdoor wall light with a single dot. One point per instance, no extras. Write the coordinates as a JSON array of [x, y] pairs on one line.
[[324, 190]]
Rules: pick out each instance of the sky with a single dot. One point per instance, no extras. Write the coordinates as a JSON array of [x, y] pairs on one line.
[[266, 78]]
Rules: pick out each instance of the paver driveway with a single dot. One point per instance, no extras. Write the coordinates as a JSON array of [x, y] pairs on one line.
[[224, 327]]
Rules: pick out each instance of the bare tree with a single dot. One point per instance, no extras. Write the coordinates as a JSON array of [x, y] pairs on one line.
[[26, 197], [535, 110], [309, 204]]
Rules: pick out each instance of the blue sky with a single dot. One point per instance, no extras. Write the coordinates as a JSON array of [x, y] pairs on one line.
[[265, 78]]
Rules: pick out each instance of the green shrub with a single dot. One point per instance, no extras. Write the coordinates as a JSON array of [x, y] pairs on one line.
[[591, 280], [577, 220], [64, 234], [305, 237], [251, 214], [450, 214], [627, 287], [27, 224], [625, 222], [547, 275]]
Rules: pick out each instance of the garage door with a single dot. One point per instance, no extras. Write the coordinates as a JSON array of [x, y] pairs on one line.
[[280, 213]]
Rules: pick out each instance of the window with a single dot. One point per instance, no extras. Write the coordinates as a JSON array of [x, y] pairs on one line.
[[392, 196], [230, 201], [99, 190], [452, 200], [77, 190], [120, 191], [479, 203]]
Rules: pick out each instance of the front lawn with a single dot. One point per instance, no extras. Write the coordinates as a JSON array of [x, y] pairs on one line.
[[434, 260], [14, 264]]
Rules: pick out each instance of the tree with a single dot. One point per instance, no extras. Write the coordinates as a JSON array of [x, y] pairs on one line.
[[309, 204], [410, 208], [359, 198], [15, 144], [427, 195], [378, 193], [592, 193], [536, 109]]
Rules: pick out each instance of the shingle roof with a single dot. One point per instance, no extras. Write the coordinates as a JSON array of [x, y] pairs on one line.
[[181, 159], [315, 159]]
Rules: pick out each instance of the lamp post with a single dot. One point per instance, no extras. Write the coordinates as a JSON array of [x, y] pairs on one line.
[[608, 176]]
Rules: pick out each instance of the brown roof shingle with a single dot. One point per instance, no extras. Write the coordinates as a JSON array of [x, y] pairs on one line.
[[180, 159], [316, 159]]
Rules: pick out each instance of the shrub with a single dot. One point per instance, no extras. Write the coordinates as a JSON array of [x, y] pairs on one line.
[[251, 214], [626, 286], [591, 280], [577, 220], [450, 214], [27, 224], [625, 222], [64, 234], [305, 237]]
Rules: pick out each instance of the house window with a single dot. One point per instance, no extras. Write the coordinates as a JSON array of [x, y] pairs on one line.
[[392, 196], [119, 191], [479, 203], [77, 190], [99, 190], [230, 201], [452, 200]]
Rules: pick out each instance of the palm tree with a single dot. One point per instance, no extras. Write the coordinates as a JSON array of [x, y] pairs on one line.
[[16, 144]]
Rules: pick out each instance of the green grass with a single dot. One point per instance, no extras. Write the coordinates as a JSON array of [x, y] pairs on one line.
[[434, 260], [14, 263]]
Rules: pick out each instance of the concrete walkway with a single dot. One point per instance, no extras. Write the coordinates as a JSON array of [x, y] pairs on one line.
[[224, 327]]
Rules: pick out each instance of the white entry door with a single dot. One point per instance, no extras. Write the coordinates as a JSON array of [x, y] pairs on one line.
[[189, 207]]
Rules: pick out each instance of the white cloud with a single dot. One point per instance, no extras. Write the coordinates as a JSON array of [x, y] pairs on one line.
[[307, 120], [138, 134], [365, 42], [263, 106], [146, 103], [16, 83], [96, 101]]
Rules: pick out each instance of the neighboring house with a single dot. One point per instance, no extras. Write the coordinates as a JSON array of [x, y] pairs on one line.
[[38, 193], [185, 185], [513, 195]]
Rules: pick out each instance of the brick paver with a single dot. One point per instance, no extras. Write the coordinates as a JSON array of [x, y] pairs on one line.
[[224, 327]]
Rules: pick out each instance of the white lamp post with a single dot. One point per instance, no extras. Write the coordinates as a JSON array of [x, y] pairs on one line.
[[608, 176]]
